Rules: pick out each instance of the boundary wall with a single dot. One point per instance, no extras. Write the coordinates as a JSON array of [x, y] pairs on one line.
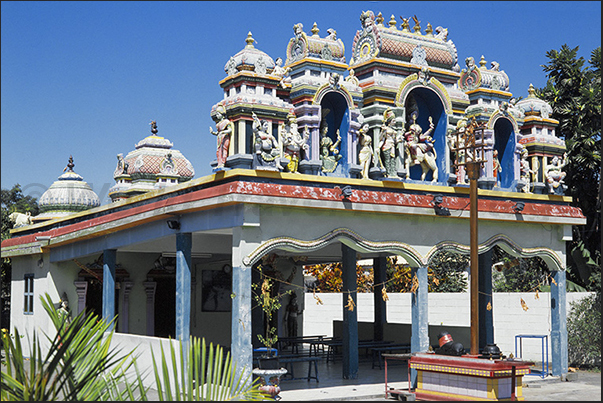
[[447, 311]]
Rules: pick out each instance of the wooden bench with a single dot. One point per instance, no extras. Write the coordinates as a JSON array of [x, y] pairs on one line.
[[392, 348], [288, 362], [294, 342]]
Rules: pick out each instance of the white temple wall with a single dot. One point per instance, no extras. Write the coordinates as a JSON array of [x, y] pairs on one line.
[[447, 311]]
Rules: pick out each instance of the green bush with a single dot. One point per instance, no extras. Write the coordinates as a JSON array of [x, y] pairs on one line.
[[584, 332]]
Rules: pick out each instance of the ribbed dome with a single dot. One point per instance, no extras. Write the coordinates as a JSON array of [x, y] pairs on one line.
[[67, 195], [154, 156], [152, 165], [250, 59], [533, 106]]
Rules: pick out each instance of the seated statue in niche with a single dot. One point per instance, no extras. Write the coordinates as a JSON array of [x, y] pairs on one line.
[[224, 129], [265, 145], [329, 153], [555, 176], [388, 139], [282, 72], [419, 148], [294, 145], [366, 154]]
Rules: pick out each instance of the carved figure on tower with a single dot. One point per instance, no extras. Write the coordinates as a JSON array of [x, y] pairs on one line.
[[294, 145], [224, 130], [419, 148], [329, 153], [265, 145], [555, 176], [366, 154], [388, 139]]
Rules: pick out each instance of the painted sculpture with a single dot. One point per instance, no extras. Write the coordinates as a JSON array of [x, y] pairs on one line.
[[388, 139], [525, 171], [419, 148], [365, 156], [224, 129], [294, 145], [329, 153], [555, 176], [267, 148]]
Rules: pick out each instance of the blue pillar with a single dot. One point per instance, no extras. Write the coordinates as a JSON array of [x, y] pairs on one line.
[[109, 261], [559, 324], [486, 322], [350, 317], [379, 271], [183, 286], [244, 241], [419, 340]]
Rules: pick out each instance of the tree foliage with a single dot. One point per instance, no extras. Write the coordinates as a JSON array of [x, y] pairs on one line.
[[584, 332], [446, 273], [12, 200], [574, 92]]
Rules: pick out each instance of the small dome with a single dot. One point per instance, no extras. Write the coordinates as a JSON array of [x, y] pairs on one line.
[[67, 195], [250, 59], [533, 106], [152, 165]]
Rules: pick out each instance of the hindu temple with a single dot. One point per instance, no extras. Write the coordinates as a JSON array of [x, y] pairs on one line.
[[321, 156]]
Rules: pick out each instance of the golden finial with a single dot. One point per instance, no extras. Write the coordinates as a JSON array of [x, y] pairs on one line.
[[379, 19], [417, 26], [531, 91], [429, 30], [392, 21], [249, 40], [405, 24], [315, 30], [482, 63]]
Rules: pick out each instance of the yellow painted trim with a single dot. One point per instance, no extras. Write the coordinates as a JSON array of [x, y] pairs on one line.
[[311, 60], [408, 65], [489, 91], [531, 119]]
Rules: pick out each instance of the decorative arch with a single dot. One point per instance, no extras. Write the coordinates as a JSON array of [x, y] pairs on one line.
[[552, 259], [413, 81], [498, 114], [326, 88], [343, 235]]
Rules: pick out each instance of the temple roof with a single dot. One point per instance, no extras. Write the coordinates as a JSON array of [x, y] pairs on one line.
[[250, 59], [376, 40], [302, 45], [67, 195]]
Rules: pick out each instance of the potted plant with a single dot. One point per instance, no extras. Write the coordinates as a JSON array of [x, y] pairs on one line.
[[267, 297]]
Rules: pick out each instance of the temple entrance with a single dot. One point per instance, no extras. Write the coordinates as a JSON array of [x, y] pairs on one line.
[[165, 302]]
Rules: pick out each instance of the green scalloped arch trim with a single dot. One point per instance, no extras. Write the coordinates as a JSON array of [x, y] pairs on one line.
[[507, 244], [345, 235]]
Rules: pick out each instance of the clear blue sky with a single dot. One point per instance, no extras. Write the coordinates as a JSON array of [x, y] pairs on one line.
[[86, 78]]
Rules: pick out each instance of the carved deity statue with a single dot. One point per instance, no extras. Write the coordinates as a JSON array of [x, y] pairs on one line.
[[365, 156], [555, 176], [525, 171], [224, 129], [265, 145], [419, 148], [294, 145], [329, 153], [388, 139]]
